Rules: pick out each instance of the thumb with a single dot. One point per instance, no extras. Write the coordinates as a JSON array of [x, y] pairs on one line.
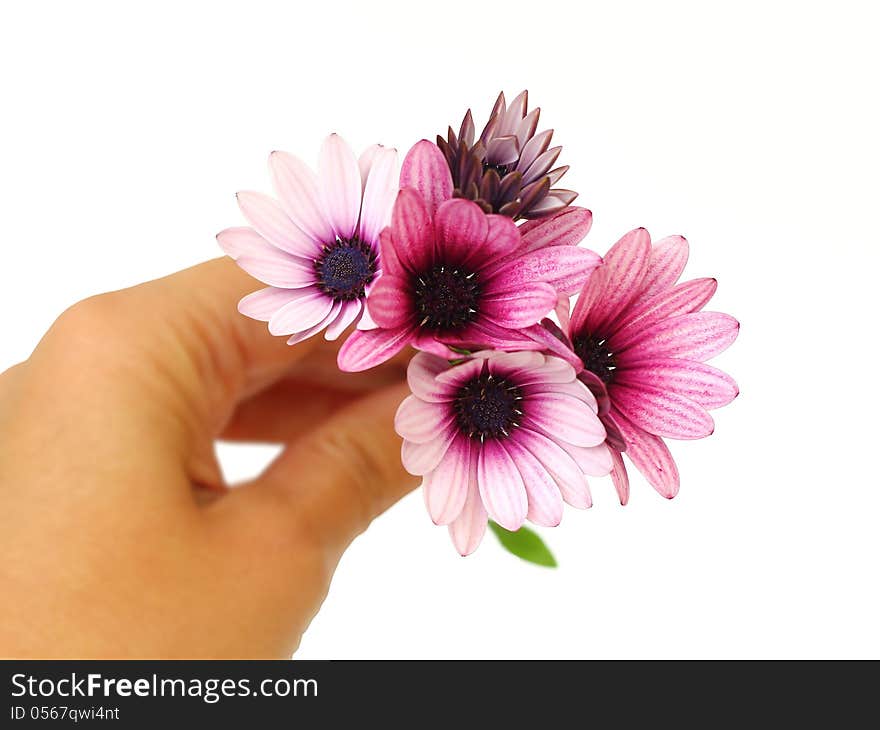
[[330, 484]]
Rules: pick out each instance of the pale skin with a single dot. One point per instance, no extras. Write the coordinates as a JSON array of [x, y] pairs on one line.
[[118, 535]]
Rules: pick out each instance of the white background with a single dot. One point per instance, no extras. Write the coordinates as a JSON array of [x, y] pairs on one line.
[[751, 128]]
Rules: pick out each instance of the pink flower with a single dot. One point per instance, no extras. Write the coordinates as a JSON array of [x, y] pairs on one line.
[[503, 435], [317, 246], [643, 341], [462, 278]]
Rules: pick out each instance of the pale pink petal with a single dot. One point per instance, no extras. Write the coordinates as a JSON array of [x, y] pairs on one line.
[[626, 263], [379, 194], [365, 162], [305, 334], [703, 384], [339, 186], [522, 307], [446, 487], [544, 498], [546, 340], [668, 258], [567, 228], [564, 418], [563, 312], [366, 349], [244, 241], [348, 314], [575, 389], [649, 455], [508, 363], [426, 342], [663, 413], [425, 170], [468, 529], [462, 372], [695, 336], [302, 313], [421, 374], [279, 269], [565, 268], [273, 224], [619, 477], [594, 461], [389, 302], [420, 459], [366, 321], [561, 466], [554, 370], [419, 421], [501, 486], [682, 299], [297, 189], [413, 233], [460, 228], [262, 304]]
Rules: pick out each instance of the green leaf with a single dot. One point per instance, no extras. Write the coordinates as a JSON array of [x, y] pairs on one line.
[[525, 544]]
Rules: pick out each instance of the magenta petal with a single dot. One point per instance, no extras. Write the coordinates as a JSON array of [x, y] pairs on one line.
[[413, 232], [426, 342], [305, 311], [262, 304], [366, 349], [695, 336], [446, 487], [501, 486], [561, 466], [420, 459], [460, 228], [522, 307], [619, 477], [244, 241], [668, 258], [419, 421], [502, 241], [279, 269], [682, 299], [546, 340], [565, 268], [567, 228], [565, 418], [389, 302], [421, 374], [469, 527], [544, 498], [297, 188], [586, 309], [626, 262], [650, 456], [703, 384], [663, 413], [425, 170], [484, 333], [273, 224]]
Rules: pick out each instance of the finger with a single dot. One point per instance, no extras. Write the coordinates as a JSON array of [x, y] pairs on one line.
[[332, 482]]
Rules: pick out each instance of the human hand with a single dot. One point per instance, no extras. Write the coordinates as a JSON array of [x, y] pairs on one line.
[[118, 535]]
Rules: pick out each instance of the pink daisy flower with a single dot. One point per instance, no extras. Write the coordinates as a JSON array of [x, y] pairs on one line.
[[317, 246], [509, 436], [461, 278], [643, 341]]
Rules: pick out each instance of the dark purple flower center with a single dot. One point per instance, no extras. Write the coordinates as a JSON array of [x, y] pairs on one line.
[[446, 297], [488, 406], [596, 356], [344, 268], [502, 170]]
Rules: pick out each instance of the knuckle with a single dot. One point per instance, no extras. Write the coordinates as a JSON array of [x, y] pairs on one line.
[[90, 318]]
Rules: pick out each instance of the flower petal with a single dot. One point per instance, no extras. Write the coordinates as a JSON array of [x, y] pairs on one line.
[[565, 268], [468, 529], [460, 228], [668, 258], [279, 269], [565, 472], [244, 241], [582, 316], [365, 349], [663, 413], [565, 418], [297, 189], [626, 263], [425, 169], [348, 314], [419, 421], [695, 336], [703, 384], [567, 228], [273, 224], [650, 456], [544, 498], [379, 194], [389, 302], [446, 487], [619, 477], [305, 311], [412, 234], [501, 486], [421, 374], [339, 186], [420, 459], [519, 308], [313, 330], [262, 304]]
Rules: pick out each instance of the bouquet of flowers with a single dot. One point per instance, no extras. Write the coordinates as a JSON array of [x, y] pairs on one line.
[[471, 255]]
